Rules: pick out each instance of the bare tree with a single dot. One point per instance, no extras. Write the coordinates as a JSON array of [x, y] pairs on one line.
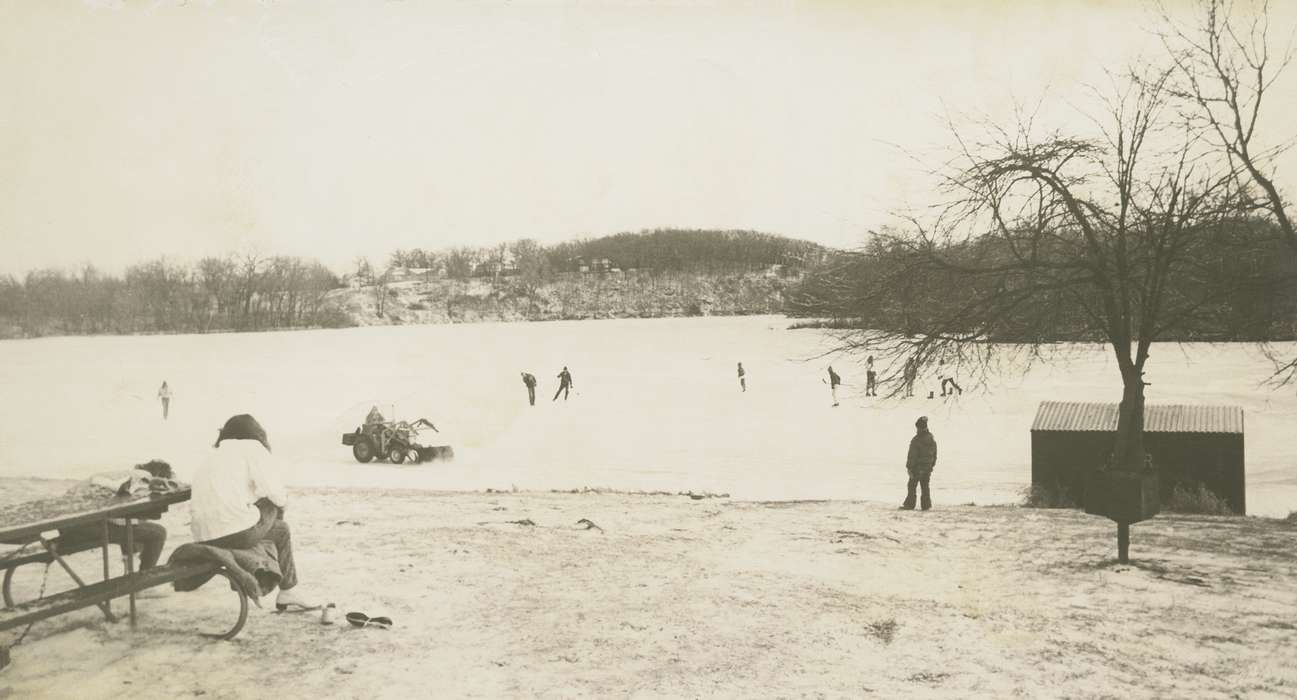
[[1065, 236], [364, 271], [1226, 63], [380, 288]]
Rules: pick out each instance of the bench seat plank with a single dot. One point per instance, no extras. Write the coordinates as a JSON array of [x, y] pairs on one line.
[[99, 592]]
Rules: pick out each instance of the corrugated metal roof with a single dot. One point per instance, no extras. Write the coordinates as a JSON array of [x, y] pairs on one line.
[[1075, 416]]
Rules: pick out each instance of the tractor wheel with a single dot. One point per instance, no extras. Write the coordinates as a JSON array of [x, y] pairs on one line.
[[396, 454], [363, 450]]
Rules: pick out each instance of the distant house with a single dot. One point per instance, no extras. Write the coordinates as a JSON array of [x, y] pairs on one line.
[[495, 268], [405, 274], [1188, 444]]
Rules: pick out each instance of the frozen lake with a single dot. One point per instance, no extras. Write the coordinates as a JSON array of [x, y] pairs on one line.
[[657, 407]]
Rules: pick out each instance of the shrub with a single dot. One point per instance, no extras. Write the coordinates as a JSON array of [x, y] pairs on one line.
[[1048, 496], [827, 324], [1196, 498]]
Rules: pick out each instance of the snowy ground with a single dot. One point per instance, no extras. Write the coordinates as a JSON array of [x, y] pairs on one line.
[[706, 598], [656, 407]]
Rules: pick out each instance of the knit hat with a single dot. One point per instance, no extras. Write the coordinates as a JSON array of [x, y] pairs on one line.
[[922, 422]]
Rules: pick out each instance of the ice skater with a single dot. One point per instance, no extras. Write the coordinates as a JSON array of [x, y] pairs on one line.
[[919, 463], [743, 381], [909, 374], [530, 380], [164, 396], [954, 387], [871, 378], [834, 381], [564, 384]]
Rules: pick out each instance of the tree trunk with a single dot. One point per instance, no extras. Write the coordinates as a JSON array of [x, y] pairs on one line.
[[1128, 451]]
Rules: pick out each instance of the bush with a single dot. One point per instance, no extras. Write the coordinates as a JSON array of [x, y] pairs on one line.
[[1048, 496], [333, 318], [827, 324], [1198, 499]]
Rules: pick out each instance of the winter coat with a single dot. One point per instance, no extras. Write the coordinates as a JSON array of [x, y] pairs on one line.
[[529, 379], [923, 454], [834, 379]]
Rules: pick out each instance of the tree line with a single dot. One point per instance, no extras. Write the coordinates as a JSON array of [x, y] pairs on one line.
[[1232, 281], [232, 293], [660, 250]]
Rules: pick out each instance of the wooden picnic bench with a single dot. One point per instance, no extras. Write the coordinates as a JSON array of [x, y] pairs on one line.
[[33, 522]]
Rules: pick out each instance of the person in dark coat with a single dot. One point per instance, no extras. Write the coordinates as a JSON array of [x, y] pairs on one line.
[[564, 384], [871, 377], [743, 381], [530, 380], [834, 381], [919, 463]]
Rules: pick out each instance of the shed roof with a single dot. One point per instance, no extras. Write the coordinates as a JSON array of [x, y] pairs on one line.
[[1075, 416]]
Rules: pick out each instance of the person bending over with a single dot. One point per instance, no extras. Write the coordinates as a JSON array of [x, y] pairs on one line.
[[149, 538]]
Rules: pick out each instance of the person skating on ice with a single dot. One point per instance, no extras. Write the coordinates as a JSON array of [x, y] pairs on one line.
[[564, 384], [529, 380], [909, 374], [834, 381], [164, 396], [743, 382]]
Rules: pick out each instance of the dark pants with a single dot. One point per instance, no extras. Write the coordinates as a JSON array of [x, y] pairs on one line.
[[531, 394], [271, 526], [743, 383], [871, 383], [953, 386], [918, 480], [149, 539], [562, 389], [166, 408]]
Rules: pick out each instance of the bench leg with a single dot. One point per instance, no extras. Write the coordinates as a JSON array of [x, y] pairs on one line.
[[108, 604], [130, 565], [243, 610], [8, 587], [55, 553]]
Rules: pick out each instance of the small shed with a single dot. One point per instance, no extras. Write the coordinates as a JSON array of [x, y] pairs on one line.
[[1189, 445]]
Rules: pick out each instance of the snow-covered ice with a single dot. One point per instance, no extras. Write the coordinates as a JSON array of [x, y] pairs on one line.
[[656, 406]]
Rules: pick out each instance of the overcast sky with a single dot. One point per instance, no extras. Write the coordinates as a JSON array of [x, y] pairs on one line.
[[330, 130]]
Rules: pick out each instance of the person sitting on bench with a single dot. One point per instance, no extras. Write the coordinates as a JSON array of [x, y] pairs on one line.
[[239, 499], [149, 538]]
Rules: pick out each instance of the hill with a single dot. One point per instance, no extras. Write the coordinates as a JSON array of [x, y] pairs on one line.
[[667, 272], [573, 295]]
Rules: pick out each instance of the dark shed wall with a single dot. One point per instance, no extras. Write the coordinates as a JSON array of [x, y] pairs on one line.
[[1216, 460]]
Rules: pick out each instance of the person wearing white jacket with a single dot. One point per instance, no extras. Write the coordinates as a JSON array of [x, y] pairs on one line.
[[238, 500]]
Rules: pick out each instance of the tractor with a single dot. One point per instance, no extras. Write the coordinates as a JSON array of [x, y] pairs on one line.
[[394, 441]]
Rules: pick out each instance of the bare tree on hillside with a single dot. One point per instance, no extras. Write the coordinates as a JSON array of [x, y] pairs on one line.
[[380, 288], [1225, 65]]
